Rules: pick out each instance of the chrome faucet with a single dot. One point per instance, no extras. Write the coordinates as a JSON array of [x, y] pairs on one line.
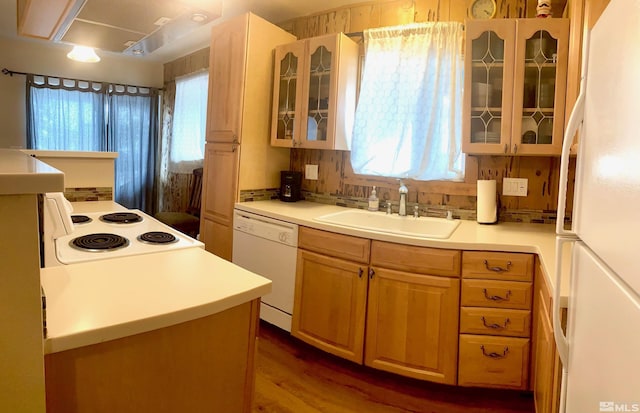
[[402, 210]]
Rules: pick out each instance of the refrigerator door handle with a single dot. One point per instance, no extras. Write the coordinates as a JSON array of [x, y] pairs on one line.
[[560, 338], [575, 121]]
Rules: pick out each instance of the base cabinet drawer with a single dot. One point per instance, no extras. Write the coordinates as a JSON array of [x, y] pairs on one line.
[[495, 321], [487, 361], [497, 294]]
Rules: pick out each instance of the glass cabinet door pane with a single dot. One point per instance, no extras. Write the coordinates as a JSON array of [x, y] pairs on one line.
[[319, 89], [487, 79], [287, 96], [539, 88]]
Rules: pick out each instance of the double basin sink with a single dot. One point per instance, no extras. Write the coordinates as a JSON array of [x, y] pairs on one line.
[[422, 227]]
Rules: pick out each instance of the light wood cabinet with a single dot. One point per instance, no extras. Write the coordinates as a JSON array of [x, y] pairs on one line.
[[545, 367], [411, 314], [404, 309], [496, 294], [200, 365], [314, 93], [238, 155], [331, 293], [515, 86], [226, 81], [489, 361], [412, 324], [495, 321], [22, 380], [216, 215]]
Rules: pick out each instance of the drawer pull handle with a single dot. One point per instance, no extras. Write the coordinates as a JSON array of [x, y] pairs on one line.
[[494, 355], [496, 268], [360, 272], [507, 297], [371, 273], [496, 326]]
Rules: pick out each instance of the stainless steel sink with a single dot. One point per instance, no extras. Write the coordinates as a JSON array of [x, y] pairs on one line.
[[422, 227]]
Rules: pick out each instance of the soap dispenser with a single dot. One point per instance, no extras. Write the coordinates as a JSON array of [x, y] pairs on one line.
[[374, 202]]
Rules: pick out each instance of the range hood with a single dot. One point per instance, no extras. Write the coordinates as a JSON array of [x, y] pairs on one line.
[[134, 27]]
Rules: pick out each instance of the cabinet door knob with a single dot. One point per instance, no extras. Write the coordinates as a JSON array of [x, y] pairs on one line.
[[371, 273], [360, 272]]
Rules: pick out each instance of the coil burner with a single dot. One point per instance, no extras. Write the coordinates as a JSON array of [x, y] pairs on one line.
[[80, 219], [157, 237], [121, 218], [100, 242]]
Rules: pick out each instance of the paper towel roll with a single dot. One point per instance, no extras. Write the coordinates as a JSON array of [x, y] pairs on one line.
[[487, 211]]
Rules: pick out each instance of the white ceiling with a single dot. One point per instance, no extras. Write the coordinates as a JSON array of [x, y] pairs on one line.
[[272, 10]]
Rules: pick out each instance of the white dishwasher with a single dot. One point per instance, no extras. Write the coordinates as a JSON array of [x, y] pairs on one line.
[[268, 247]]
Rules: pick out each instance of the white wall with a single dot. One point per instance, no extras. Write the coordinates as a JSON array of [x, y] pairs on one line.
[[50, 59]]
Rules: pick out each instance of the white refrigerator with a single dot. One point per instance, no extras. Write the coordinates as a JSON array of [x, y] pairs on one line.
[[601, 350]]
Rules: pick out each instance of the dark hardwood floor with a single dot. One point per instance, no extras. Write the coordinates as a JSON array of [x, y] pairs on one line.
[[293, 377]]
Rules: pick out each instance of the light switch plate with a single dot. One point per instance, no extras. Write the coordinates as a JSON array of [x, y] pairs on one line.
[[311, 172], [515, 186]]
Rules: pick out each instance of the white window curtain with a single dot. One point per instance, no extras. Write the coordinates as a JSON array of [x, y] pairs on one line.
[[408, 121], [65, 114], [186, 151]]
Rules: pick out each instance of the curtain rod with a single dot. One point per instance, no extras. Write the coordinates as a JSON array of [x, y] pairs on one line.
[[8, 72]]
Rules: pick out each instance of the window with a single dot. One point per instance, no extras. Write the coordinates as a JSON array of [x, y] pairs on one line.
[[73, 115], [408, 121], [186, 150]]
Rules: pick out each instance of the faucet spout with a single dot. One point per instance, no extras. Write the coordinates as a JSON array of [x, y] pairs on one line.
[[402, 210]]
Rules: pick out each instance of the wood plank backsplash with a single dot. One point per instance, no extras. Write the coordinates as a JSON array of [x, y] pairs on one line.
[[335, 175]]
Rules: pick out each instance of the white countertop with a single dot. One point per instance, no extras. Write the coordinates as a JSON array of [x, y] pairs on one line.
[[104, 300], [511, 237], [96, 206], [23, 174]]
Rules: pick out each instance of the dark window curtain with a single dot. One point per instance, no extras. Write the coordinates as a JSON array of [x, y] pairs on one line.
[[133, 133], [65, 114]]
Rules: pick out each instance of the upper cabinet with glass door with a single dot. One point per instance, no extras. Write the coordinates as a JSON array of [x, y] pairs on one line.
[[314, 93], [540, 86], [515, 83], [488, 85]]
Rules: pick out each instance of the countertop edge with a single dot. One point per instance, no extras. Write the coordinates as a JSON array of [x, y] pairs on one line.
[[143, 325], [69, 154]]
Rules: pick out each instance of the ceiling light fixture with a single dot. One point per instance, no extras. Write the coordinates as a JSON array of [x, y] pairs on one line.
[[83, 54], [199, 17]]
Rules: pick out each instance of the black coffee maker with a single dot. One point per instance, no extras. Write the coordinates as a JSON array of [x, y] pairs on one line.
[[290, 182]]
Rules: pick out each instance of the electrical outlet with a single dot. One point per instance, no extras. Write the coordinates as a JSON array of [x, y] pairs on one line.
[[311, 172], [515, 186]]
